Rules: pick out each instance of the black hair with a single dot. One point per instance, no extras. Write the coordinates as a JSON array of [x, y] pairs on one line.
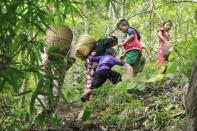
[[110, 51], [114, 38], [103, 44], [167, 21], [107, 41], [122, 22]]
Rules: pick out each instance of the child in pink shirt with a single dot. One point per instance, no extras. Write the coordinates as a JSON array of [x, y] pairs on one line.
[[164, 44]]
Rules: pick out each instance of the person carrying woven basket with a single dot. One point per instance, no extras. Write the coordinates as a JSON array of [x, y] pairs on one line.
[[99, 50]]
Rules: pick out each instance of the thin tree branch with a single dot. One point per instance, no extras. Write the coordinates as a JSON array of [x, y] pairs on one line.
[[149, 10], [176, 2]]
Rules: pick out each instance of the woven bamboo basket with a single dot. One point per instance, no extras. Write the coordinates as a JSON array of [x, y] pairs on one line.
[[58, 39], [84, 46]]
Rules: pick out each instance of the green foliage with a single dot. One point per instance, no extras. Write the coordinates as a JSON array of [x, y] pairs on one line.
[[110, 117], [23, 26], [45, 120], [167, 113], [11, 115], [85, 114], [118, 107], [183, 57], [70, 95]]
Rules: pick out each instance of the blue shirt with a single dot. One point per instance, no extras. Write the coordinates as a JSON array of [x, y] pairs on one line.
[[132, 31]]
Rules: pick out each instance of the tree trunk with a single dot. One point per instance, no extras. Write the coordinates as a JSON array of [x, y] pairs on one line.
[[86, 22], [191, 101], [24, 88], [123, 8]]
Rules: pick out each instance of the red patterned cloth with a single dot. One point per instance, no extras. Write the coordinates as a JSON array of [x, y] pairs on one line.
[[90, 67], [133, 44]]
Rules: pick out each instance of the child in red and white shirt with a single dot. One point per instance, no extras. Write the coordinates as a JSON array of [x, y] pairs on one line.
[[132, 46]]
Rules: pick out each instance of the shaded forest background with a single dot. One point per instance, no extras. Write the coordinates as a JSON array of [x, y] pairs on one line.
[[155, 100]]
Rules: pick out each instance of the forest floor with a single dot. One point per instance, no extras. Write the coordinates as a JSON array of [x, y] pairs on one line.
[[171, 88], [69, 114]]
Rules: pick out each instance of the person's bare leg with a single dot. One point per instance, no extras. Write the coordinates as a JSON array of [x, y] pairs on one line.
[[86, 95], [87, 92], [129, 71]]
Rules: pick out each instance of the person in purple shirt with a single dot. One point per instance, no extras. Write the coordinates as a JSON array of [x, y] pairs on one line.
[[103, 71]]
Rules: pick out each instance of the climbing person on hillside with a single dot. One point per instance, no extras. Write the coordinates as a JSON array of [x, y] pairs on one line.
[[99, 50], [132, 47], [165, 45], [103, 71]]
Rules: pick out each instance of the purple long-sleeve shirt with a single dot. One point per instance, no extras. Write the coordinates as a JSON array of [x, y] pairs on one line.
[[106, 62]]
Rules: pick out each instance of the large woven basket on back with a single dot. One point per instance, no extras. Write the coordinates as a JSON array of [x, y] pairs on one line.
[[84, 46], [58, 39]]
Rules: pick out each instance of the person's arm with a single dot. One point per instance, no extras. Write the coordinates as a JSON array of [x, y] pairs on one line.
[[159, 34], [131, 33], [131, 37], [94, 58], [118, 62]]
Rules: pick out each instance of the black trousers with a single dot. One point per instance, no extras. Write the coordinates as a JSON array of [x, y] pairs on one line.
[[101, 76]]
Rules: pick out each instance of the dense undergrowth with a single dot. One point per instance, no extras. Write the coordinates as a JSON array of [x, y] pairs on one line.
[[148, 102], [156, 103], [151, 101]]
